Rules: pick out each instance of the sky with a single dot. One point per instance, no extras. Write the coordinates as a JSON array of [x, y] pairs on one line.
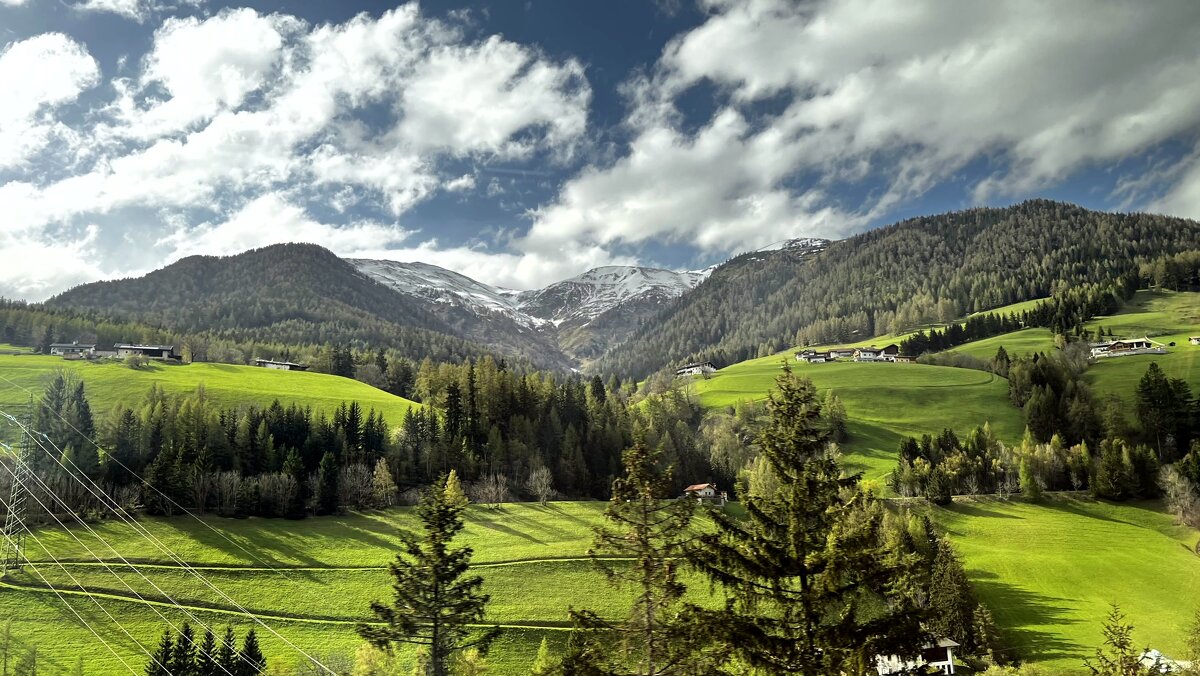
[[521, 142]]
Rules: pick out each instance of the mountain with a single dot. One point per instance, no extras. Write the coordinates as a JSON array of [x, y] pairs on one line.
[[602, 307], [895, 278], [578, 318], [292, 294]]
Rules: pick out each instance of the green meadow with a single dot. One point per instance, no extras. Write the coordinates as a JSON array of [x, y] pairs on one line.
[[884, 402], [1049, 571], [109, 383]]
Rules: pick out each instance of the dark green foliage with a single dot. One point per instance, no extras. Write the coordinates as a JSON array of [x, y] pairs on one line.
[[251, 661], [1119, 656], [161, 660], [898, 277], [1164, 410], [814, 586], [227, 655], [327, 485], [952, 603], [653, 532], [183, 657], [433, 603], [206, 656]]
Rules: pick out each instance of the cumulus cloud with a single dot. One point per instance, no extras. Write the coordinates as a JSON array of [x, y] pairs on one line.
[[225, 113], [272, 219], [36, 77], [137, 10], [815, 98], [35, 267]]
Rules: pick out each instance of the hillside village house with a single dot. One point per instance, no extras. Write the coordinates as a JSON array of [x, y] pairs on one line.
[[812, 356], [1125, 347], [695, 369], [151, 351], [939, 656], [872, 353], [72, 350], [1194, 340], [280, 365], [841, 354], [706, 493]]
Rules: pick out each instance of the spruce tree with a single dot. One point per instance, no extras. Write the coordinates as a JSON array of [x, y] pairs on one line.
[[1119, 656], [434, 604], [250, 660], [160, 661], [951, 601], [544, 664], [327, 484], [813, 586], [652, 534], [183, 657], [206, 659], [227, 656]]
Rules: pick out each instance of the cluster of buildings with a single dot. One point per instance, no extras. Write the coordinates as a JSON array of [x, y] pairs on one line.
[[888, 353], [78, 350], [1129, 346], [699, 368]]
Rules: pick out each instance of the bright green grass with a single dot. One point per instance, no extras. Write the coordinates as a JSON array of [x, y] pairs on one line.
[[1049, 571], [326, 572], [884, 402], [1165, 316], [1015, 308], [1025, 341], [109, 383]]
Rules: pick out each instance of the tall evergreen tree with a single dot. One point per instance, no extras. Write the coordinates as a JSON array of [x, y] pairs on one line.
[[813, 586], [160, 661], [206, 657], [251, 660], [183, 657], [227, 655], [951, 602], [433, 603], [653, 533], [327, 484]]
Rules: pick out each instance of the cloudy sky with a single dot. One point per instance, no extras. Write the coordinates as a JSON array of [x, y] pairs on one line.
[[524, 142]]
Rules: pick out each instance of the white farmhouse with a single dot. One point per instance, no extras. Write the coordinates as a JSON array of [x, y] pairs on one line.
[[939, 655], [706, 493], [72, 350], [695, 369], [280, 365]]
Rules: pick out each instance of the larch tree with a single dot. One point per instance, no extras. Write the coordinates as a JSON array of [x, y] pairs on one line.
[[434, 602], [651, 533], [812, 585]]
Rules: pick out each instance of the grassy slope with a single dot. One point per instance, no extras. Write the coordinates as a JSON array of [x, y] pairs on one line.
[[1049, 571], [110, 383], [514, 546], [1164, 316], [883, 401]]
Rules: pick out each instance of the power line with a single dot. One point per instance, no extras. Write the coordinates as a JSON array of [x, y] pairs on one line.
[[107, 567], [120, 512]]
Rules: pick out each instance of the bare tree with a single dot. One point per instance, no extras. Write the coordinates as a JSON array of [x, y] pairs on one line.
[[276, 491], [491, 490], [541, 484], [225, 491], [354, 486], [383, 487], [201, 485]]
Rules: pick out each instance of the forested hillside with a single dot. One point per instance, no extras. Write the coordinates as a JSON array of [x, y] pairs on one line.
[[293, 294], [926, 269]]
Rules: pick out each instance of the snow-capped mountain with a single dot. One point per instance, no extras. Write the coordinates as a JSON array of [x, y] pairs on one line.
[[584, 297], [440, 285], [583, 315]]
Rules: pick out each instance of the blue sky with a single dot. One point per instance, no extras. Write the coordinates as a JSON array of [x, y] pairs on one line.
[[524, 142]]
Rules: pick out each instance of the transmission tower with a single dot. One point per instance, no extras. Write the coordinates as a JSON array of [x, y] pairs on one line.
[[14, 521]]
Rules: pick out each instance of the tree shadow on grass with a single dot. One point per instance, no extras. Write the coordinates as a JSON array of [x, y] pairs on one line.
[[1028, 620], [492, 522], [979, 507], [1074, 506]]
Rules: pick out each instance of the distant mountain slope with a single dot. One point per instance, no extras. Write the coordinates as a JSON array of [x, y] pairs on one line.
[[577, 319], [603, 307], [894, 277], [287, 293]]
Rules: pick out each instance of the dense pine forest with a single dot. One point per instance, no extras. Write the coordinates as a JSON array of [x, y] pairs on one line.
[[923, 270]]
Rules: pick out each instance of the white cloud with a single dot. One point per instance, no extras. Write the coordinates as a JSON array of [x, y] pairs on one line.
[[464, 183], [13, 3], [902, 94], [35, 267], [204, 67], [272, 219], [137, 10], [36, 76]]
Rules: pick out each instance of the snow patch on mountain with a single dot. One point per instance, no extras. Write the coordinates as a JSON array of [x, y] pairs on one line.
[[587, 296]]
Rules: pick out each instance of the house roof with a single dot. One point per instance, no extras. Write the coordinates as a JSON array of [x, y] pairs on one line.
[[698, 487], [83, 345], [131, 346], [273, 361]]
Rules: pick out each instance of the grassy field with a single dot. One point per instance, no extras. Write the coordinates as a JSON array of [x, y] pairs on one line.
[[109, 383], [1165, 316], [1025, 341], [884, 402], [1049, 571]]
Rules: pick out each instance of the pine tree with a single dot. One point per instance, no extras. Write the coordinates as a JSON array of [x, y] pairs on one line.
[[183, 657], [293, 466], [654, 532], [1119, 656], [251, 661], [544, 664], [327, 484], [951, 601], [434, 603], [206, 659], [805, 564], [227, 655], [161, 660]]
